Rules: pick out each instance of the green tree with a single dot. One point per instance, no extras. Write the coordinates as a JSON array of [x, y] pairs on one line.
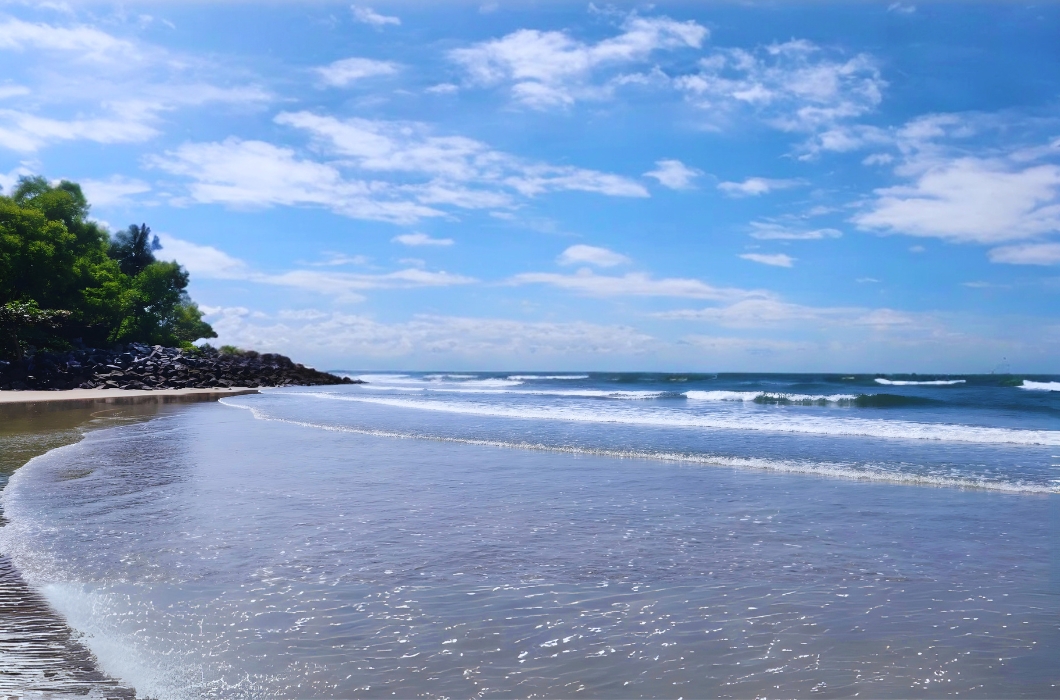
[[53, 258], [157, 308], [23, 322], [134, 249]]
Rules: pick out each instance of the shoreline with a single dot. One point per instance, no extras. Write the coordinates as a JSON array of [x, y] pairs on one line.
[[40, 653], [70, 398]]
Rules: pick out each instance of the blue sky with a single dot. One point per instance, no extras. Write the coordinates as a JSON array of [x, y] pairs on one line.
[[675, 186]]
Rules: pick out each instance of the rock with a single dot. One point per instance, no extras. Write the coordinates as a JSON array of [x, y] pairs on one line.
[[138, 366]]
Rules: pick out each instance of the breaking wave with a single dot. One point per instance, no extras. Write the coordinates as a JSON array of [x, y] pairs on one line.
[[927, 382], [768, 422], [779, 399], [1040, 386], [869, 472]]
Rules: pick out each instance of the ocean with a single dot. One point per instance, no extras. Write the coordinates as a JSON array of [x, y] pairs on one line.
[[559, 534]]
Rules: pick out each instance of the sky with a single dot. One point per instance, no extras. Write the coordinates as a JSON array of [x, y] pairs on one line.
[[685, 186]]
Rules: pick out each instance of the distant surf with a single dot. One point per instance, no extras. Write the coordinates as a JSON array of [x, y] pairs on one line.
[[926, 382], [1040, 386]]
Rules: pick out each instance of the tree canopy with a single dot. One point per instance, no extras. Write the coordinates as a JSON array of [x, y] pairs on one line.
[[64, 280]]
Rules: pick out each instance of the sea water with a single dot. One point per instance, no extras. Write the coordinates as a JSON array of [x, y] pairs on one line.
[[551, 535]]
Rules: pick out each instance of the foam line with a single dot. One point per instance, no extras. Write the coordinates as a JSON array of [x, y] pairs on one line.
[[769, 397], [823, 469], [1040, 386], [771, 422], [931, 382]]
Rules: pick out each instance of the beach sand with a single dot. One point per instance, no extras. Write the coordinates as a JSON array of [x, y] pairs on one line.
[[87, 397], [39, 653]]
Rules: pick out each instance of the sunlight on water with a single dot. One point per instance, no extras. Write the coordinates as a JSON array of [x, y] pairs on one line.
[[295, 545]]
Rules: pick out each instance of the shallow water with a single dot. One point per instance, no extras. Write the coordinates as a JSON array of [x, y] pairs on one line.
[[39, 654], [312, 544]]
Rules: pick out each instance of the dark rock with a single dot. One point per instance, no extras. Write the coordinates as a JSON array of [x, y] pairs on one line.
[[138, 366]]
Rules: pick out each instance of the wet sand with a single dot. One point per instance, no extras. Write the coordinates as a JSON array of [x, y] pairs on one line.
[[89, 397], [39, 654]]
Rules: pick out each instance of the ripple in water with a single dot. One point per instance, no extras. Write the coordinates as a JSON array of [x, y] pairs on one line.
[[208, 553]]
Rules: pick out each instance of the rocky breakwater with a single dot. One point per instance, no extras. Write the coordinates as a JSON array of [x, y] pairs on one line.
[[139, 366]]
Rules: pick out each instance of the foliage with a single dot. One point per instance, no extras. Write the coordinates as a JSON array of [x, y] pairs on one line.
[[22, 322], [54, 260], [134, 249]]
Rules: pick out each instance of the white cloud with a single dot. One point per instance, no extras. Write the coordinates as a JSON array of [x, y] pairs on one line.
[[553, 69], [443, 89], [9, 90], [342, 73], [421, 239], [121, 100], [538, 179], [631, 284], [985, 285], [10, 179], [774, 259], [794, 86], [768, 231], [1027, 254], [602, 257], [89, 43], [113, 191], [24, 132], [258, 174], [674, 174], [750, 346], [345, 285], [459, 167], [901, 8], [210, 263], [336, 259], [447, 170], [754, 186], [970, 200], [367, 15], [349, 337], [767, 312], [202, 260]]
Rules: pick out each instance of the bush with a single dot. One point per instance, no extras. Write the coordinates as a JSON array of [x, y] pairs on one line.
[[63, 281]]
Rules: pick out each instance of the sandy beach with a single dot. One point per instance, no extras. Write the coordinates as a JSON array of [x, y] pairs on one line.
[[87, 397]]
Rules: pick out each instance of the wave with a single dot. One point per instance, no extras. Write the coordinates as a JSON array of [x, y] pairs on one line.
[[769, 397], [766, 422], [928, 382], [870, 472], [532, 377], [778, 399], [507, 387], [499, 387], [1040, 386], [433, 381]]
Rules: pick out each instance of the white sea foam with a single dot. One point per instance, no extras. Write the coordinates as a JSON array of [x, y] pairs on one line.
[[732, 420], [869, 472], [928, 382], [531, 377], [1040, 386], [435, 382], [768, 396], [501, 386]]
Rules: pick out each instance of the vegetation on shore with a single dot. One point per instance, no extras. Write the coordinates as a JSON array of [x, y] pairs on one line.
[[65, 282]]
